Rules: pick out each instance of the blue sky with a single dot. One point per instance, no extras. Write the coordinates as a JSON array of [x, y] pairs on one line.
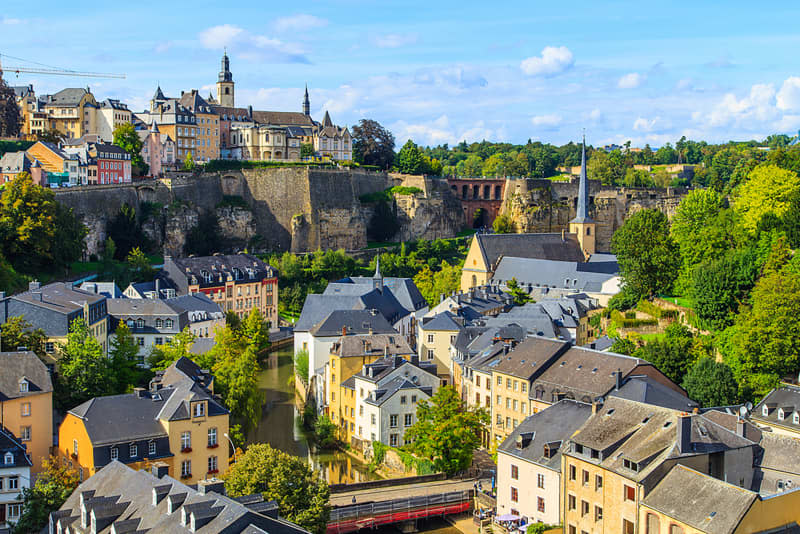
[[442, 72]]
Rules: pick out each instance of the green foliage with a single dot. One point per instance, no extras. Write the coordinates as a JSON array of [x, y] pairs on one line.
[[301, 365], [503, 224], [520, 296], [624, 346], [379, 452], [255, 329], [53, 486], [648, 256], [410, 160], [655, 311], [767, 190], [125, 228], [372, 144], [383, 225], [162, 356], [711, 383], [84, 371], [188, 162], [301, 495], [10, 280], [387, 195], [220, 165], [446, 431], [325, 433], [10, 113], [671, 356], [7, 145], [17, 332], [123, 356], [719, 286], [37, 233], [234, 363], [233, 201], [206, 238], [624, 300], [539, 528], [433, 284], [306, 150], [126, 137]]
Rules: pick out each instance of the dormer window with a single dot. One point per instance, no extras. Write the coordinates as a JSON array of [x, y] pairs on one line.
[[8, 459], [796, 418], [23, 386], [140, 323], [169, 323], [199, 409], [781, 414], [764, 410], [159, 323], [114, 453]]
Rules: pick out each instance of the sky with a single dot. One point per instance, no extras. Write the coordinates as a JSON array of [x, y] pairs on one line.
[[442, 72]]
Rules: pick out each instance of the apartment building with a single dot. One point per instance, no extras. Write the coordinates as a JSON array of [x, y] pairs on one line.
[[152, 322], [72, 111], [177, 421], [206, 125], [779, 411], [110, 114], [15, 476], [174, 120], [26, 403], [436, 335]]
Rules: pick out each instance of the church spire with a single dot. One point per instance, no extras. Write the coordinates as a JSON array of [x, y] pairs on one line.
[[377, 278], [306, 104], [582, 214]]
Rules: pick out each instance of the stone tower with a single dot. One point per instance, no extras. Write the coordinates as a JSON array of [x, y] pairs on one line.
[[225, 84], [377, 278], [582, 225], [306, 104]]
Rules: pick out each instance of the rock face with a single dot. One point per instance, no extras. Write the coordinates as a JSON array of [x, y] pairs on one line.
[[435, 213], [237, 225], [545, 206]]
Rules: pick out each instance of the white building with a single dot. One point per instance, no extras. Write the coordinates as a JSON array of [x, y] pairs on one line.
[[15, 474], [110, 114], [387, 394], [205, 316], [151, 321]]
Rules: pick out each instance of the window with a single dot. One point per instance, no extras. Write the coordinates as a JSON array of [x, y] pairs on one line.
[[629, 493], [627, 527], [571, 502], [14, 510], [159, 323], [133, 451], [23, 386], [499, 400], [186, 469], [598, 513], [430, 354], [524, 387], [49, 347], [584, 508], [514, 472], [477, 381], [508, 383], [199, 409], [140, 323], [393, 421], [75, 447], [499, 381], [408, 419], [572, 529], [186, 440], [168, 323], [540, 480], [573, 472], [598, 482], [361, 408], [212, 436], [514, 494], [114, 453], [430, 338], [8, 460], [212, 464], [393, 440], [25, 433], [372, 419], [653, 524], [402, 399], [151, 448], [585, 477], [508, 403], [540, 504]]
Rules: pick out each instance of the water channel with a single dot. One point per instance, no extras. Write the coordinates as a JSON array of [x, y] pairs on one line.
[[279, 425]]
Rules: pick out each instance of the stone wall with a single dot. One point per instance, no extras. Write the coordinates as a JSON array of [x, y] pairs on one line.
[[548, 206]]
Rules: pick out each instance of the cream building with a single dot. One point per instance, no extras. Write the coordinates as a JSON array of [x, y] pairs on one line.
[[436, 335], [110, 114], [72, 111]]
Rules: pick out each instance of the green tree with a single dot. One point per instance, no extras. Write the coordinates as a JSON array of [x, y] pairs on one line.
[[10, 280], [446, 431], [648, 256], [301, 495], [188, 162], [409, 160], [255, 329], [768, 189], [17, 332], [10, 116], [50, 136], [520, 296], [301, 365], [84, 370], [123, 355], [383, 225], [139, 265], [373, 144], [711, 383], [719, 287], [235, 368], [306, 150], [180, 346], [433, 284], [503, 224], [696, 211], [325, 432], [473, 167], [671, 356], [126, 137], [53, 486]]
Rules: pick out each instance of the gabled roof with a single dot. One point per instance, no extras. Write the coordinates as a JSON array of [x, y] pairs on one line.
[[10, 444], [59, 296], [389, 389], [67, 97], [15, 366], [348, 297], [783, 397], [192, 100], [282, 118], [553, 425], [369, 344], [530, 357], [537, 246], [403, 289], [355, 321], [645, 389], [444, 321], [571, 275], [16, 162], [700, 501], [109, 289]]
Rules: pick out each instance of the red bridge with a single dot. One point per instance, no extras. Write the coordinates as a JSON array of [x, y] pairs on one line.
[[484, 194], [370, 515]]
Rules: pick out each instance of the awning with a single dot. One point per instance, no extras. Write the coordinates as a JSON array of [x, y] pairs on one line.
[[507, 517]]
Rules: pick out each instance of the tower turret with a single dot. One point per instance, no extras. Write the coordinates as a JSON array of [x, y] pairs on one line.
[[306, 104], [582, 225], [225, 84]]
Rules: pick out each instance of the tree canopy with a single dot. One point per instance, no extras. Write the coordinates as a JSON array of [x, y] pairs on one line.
[[10, 116], [53, 486], [711, 383], [125, 137], [372, 144], [767, 190]]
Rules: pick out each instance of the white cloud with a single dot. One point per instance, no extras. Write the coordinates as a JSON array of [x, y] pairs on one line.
[[164, 46], [394, 40], [631, 80], [596, 115], [251, 46], [10, 21], [554, 60], [441, 130], [299, 23], [758, 105], [788, 98], [644, 125], [546, 121]]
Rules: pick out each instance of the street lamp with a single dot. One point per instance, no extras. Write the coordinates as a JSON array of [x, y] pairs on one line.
[[232, 445]]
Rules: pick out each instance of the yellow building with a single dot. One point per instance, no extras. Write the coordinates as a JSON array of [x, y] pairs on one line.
[[349, 354], [72, 111], [436, 335], [176, 421], [206, 126], [26, 403], [624, 450]]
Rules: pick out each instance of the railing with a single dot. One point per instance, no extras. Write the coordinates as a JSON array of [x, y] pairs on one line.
[[371, 515]]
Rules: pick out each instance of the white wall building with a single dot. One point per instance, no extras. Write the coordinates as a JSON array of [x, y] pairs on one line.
[[15, 474]]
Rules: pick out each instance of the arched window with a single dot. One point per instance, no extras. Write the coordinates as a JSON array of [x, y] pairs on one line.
[[159, 323], [169, 323], [140, 323]]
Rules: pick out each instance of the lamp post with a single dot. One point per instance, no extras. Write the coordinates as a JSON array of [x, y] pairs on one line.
[[232, 445]]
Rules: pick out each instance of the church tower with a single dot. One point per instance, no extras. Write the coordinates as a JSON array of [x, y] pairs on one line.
[[583, 225], [306, 104], [377, 278], [225, 84]]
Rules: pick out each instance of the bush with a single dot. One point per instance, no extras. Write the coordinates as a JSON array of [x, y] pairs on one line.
[[630, 315], [651, 309], [387, 194], [624, 300], [325, 433], [236, 165]]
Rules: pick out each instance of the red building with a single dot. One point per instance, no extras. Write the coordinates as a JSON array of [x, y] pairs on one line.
[[113, 164]]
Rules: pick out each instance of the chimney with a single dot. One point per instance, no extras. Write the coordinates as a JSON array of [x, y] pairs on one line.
[[159, 470], [684, 433], [33, 286], [597, 406], [344, 330], [139, 392], [619, 379], [213, 484], [37, 295], [158, 288], [741, 427]]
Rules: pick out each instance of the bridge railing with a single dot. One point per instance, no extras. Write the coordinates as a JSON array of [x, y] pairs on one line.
[[371, 510]]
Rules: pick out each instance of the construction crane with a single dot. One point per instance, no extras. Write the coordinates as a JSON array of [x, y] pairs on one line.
[[47, 69]]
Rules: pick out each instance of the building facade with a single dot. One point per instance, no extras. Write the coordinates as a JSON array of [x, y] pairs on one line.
[[72, 111], [152, 322], [15, 476], [110, 114]]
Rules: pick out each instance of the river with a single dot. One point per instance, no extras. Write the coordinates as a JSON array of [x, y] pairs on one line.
[[279, 425]]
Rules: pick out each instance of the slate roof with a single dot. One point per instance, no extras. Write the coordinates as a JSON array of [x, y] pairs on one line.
[[360, 345], [389, 389], [134, 307], [196, 302], [69, 97], [381, 300], [403, 289], [684, 494], [202, 345], [776, 461], [18, 365], [282, 118], [15, 162], [786, 397], [109, 289], [530, 357], [318, 307], [539, 246], [192, 100], [380, 369], [541, 272], [60, 297], [124, 498], [492, 332], [356, 322], [645, 389], [10, 444], [553, 425], [21, 91], [602, 343], [442, 321]]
